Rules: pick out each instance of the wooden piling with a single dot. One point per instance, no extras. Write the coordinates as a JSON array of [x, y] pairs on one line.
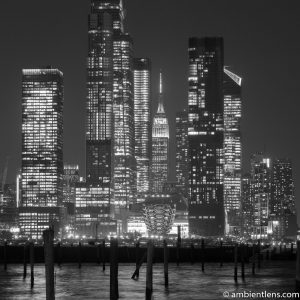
[[253, 258], [202, 254], [221, 253], [258, 255], [59, 254], [114, 288], [149, 272], [98, 254], [31, 256], [25, 261], [242, 261], [292, 248], [79, 255], [178, 245], [166, 260], [235, 261], [137, 268], [192, 253], [137, 255], [103, 255], [48, 236], [298, 267], [5, 256]]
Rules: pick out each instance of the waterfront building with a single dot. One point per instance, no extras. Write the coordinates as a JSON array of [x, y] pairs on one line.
[[142, 125], [261, 191], [206, 136], [42, 151], [232, 151]]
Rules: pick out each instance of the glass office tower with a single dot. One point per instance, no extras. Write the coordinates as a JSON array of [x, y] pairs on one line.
[[142, 124], [110, 106], [206, 136], [232, 151], [182, 148], [42, 151], [160, 146]]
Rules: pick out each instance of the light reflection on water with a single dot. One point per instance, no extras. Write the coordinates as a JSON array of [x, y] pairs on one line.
[[185, 282]]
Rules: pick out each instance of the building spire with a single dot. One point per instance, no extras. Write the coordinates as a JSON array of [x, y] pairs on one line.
[[160, 109]]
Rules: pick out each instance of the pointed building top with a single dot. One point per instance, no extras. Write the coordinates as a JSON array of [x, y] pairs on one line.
[[160, 109], [233, 76]]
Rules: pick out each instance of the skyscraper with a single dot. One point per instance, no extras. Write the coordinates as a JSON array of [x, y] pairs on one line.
[[206, 135], [282, 206], [261, 189], [247, 205], [110, 105], [142, 124], [182, 157], [232, 151], [42, 150], [160, 146], [70, 178]]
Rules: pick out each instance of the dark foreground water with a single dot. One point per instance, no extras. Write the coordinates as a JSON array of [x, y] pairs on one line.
[[185, 282]]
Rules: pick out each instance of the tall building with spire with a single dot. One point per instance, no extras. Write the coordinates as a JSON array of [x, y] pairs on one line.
[[160, 146], [142, 124], [206, 136], [232, 151], [110, 157], [42, 151]]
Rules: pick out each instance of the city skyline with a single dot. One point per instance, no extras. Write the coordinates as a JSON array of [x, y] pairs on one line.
[[269, 127]]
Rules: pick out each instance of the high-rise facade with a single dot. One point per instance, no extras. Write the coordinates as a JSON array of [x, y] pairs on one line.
[[70, 178], [110, 106], [160, 146], [282, 206], [142, 124], [247, 205], [182, 156], [232, 151], [261, 192], [42, 150], [206, 136]]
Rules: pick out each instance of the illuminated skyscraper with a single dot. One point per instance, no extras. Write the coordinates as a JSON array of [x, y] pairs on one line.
[[110, 105], [206, 136], [42, 150], [261, 191], [282, 206], [70, 178], [247, 205], [182, 148], [232, 151], [160, 146], [142, 124]]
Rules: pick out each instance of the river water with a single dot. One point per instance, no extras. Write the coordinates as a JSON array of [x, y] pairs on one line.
[[185, 282]]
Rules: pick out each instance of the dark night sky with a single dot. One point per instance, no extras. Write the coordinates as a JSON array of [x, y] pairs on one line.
[[262, 45]]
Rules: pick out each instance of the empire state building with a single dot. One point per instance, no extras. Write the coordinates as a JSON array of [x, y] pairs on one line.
[[160, 146]]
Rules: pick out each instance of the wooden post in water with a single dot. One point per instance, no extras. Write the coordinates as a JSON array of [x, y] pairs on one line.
[[166, 260], [253, 259], [98, 254], [79, 255], [258, 254], [25, 261], [48, 236], [178, 245], [114, 288], [137, 255], [149, 272], [103, 255], [202, 254], [221, 253], [5, 256], [235, 261], [192, 253], [59, 254], [298, 267], [31, 255], [292, 247], [242, 261], [280, 248]]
